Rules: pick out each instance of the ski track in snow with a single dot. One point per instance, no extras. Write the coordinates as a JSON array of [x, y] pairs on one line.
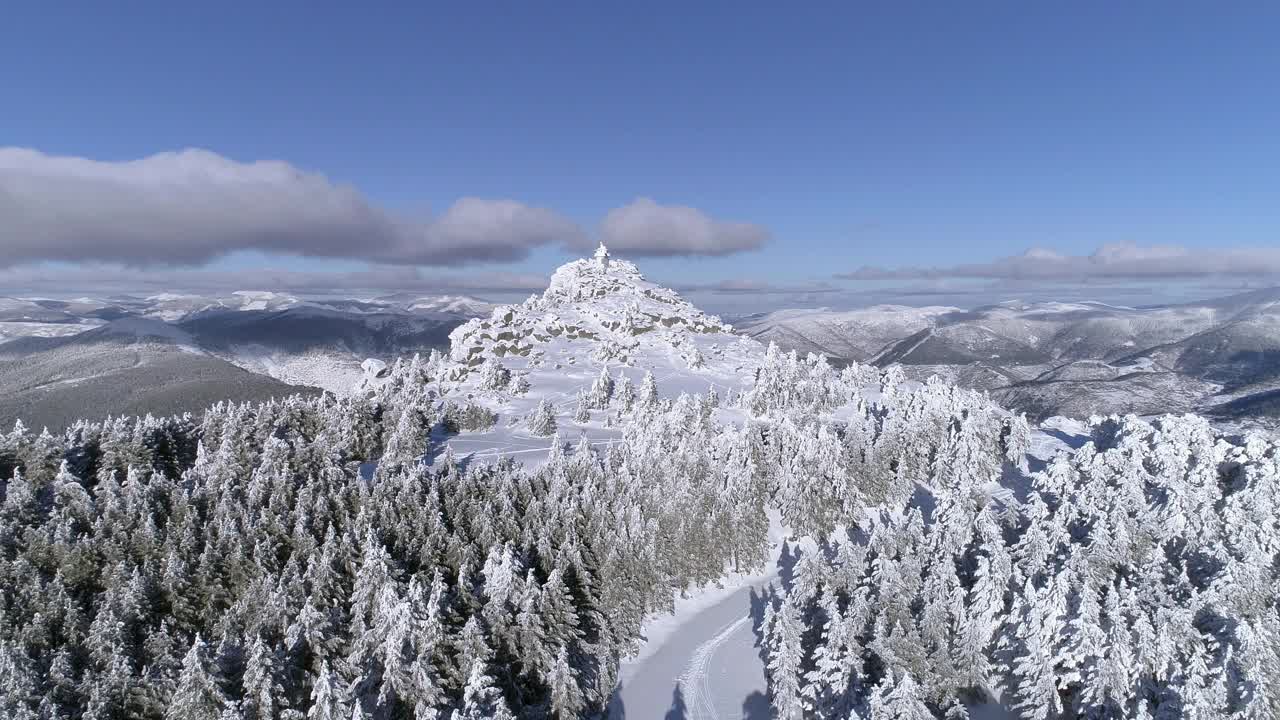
[[695, 682]]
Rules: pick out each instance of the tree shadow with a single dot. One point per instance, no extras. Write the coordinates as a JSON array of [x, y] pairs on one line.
[[1075, 442], [616, 709], [756, 707], [439, 437], [787, 559], [923, 499], [678, 710], [759, 602]]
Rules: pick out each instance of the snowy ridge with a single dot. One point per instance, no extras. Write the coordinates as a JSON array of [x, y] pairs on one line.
[[605, 301], [598, 318], [451, 304]]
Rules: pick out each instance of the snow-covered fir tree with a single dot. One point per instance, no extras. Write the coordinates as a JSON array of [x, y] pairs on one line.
[[542, 421]]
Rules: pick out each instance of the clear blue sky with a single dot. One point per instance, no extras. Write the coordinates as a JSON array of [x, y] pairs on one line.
[[888, 134]]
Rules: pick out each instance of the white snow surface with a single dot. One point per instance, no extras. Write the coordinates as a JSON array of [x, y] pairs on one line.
[[452, 304], [591, 317], [337, 373], [12, 330], [264, 300]]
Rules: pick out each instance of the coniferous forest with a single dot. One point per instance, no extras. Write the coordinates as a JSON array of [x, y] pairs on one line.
[[332, 558]]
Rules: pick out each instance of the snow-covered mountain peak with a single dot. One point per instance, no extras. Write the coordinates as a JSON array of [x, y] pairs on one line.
[[464, 305], [264, 300], [548, 365], [606, 305]]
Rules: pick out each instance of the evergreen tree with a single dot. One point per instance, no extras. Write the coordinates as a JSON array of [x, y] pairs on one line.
[[481, 699], [542, 422], [328, 701], [198, 695], [601, 390]]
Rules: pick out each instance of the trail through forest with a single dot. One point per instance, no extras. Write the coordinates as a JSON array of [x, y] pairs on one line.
[[708, 669]]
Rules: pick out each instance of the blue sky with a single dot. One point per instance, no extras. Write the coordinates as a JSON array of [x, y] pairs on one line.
[[893, 135]]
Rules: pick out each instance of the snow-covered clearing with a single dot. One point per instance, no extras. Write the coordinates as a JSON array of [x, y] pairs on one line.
[[334, 372], [12, 330]]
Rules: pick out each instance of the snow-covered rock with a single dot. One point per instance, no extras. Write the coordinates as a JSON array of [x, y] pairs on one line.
[[598, 315], [606, 312], [373, 367]]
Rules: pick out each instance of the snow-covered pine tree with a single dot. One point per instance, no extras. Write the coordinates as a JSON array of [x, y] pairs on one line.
[[482, 699], [542, 422], [582, 409], [199, 695], [493, 375], [601, 390], [328, 699], [625, 391], [785, 660], [647, 396]]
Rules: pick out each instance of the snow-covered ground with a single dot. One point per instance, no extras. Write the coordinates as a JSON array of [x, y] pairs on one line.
[[336, 373], [595, 316], [708, 667], [702, 661], [14, 330]]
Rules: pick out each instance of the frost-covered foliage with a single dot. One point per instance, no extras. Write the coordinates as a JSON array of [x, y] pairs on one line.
[[625, 393], [250, 563], [808, 384], [612, 306], [468, 417], [542, 421], [582, 408], [519, 385], [601, 390], [244, 566], [494, 376], [1138, 579], [873, 453]]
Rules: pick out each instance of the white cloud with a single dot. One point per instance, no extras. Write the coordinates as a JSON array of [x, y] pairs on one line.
[[1123, 261], [188, 207], [103, 278], [646, 228], [749, 286]]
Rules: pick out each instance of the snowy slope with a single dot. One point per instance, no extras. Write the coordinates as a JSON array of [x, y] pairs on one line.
[[853, 335], [464, 305], [596, 314]]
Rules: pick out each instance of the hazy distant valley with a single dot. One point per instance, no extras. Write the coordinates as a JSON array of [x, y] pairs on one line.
[[180, 352], [89, 357], [1220, 357]]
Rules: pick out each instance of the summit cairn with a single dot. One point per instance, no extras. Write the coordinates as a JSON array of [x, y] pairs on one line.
[[602, 257]]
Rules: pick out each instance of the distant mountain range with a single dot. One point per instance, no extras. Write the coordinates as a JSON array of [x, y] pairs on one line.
[[1219, 357], [174, 352], [63, 359]]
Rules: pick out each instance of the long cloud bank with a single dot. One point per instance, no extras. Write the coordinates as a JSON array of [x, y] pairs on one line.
[[188, 207], [94, 278], [1122, 261]]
